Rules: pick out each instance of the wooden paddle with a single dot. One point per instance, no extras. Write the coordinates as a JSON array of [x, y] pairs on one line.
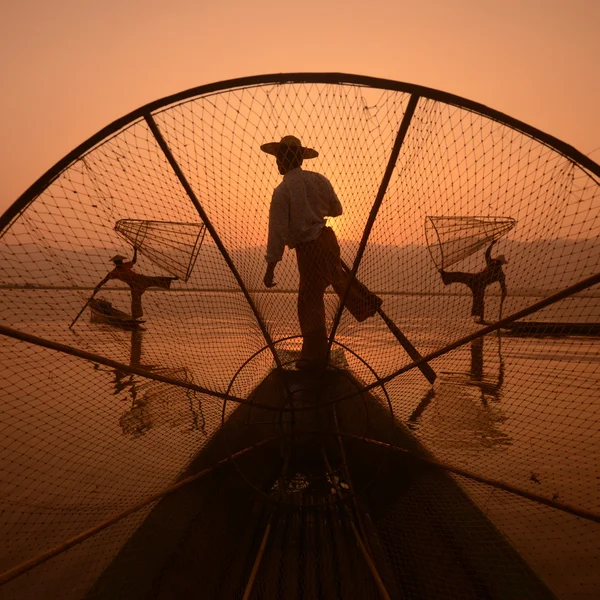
[[81, 311]]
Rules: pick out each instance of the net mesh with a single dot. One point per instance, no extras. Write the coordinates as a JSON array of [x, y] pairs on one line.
[[126, 414], [452, 239], [173, 246]]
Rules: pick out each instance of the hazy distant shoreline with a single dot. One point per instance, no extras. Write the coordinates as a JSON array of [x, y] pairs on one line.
[[535, 269], [515, 294]]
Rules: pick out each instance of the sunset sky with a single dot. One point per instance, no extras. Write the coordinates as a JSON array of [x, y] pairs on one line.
[[69, 68]]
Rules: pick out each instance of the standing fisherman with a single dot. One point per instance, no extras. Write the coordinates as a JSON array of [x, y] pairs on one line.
[[477, 282], [299, 206], [137, 282]]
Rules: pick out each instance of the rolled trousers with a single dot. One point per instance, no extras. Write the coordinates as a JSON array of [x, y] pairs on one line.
[[320, 265], [475, 283]]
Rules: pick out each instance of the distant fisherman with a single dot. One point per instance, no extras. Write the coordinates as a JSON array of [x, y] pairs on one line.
[[137, 282], [299, 206], [477, 282]]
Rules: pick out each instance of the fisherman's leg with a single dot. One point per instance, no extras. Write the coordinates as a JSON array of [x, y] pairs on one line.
[[136, 305], [311, 305], [478, 303], [449, 277], [311, 315], [361, 303]]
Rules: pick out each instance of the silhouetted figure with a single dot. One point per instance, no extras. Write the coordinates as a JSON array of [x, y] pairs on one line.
[[299, 207], [478, 282], [137, 282]]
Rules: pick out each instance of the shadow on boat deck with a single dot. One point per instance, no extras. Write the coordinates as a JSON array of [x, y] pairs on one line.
[[408, 531]]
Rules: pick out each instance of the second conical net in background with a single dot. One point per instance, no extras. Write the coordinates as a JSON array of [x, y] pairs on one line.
[[451, 239], [172, 246]]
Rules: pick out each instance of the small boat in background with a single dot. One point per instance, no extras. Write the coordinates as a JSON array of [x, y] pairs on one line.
[[102, 311], [545, 328]]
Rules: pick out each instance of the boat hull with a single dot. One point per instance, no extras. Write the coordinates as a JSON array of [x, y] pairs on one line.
[[226, 535], [102, 311], [544, 328]]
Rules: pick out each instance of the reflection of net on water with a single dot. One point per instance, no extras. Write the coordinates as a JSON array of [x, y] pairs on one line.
[[318, 481]]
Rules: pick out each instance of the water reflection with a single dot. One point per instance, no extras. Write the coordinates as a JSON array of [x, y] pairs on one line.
[[414, 418], [125, 381], [154, 403], [462, 409], [159, 404], [490, 386], [135, 355]]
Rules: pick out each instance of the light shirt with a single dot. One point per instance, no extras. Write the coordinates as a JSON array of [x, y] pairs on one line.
[[299, 206]]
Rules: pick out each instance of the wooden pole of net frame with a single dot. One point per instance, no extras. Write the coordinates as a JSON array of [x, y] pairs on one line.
[[414, 354]]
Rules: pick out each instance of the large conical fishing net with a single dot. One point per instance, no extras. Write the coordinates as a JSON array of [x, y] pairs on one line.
[[172, 246], [452, 239], [191, 459]]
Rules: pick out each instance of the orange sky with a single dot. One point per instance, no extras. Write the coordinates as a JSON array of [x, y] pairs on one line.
[[71, 67]]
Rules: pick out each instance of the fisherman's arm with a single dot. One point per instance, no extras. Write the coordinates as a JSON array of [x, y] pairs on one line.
[[134, 259], [335, 206], [278, 228]]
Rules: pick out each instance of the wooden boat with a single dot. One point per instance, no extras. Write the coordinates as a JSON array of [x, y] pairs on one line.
[[545, 328], [343, 523], [102, 311]]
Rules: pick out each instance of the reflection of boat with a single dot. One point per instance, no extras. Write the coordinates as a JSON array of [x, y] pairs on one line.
[[102, 311], [156, 404], [543, 328]]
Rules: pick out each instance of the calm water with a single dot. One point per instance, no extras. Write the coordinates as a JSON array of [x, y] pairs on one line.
[[80, 441]]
